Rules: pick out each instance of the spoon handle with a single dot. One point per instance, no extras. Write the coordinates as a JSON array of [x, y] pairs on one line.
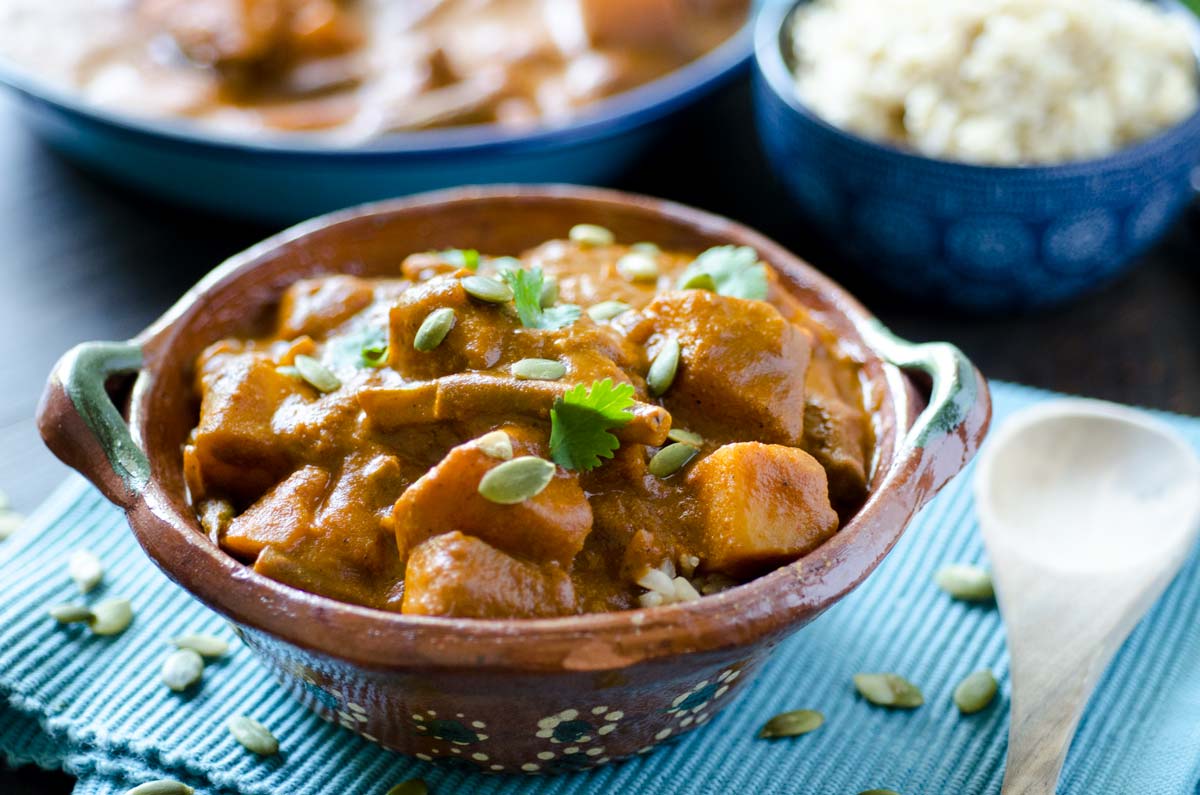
[[1046, 707], [1062, 634]]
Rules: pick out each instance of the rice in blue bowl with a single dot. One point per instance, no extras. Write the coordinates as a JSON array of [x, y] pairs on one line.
[[973, 237]]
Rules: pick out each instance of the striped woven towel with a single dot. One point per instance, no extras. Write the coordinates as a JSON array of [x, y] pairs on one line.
[[96, 707]]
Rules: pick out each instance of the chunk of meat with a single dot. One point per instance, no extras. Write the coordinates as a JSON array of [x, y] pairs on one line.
[[759, 506], [551, 526], [236, 449], [331, 579], [280, 516], [835, 433], [469, 395], [458, 575], [741, 375], [475, 342], [314, 307]]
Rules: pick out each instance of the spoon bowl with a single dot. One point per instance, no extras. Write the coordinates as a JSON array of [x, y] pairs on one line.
[[1088, 510]]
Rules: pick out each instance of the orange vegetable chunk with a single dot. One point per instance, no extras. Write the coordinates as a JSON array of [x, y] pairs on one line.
[[283, 514], [551, 526], [458, 575], [761, 505]]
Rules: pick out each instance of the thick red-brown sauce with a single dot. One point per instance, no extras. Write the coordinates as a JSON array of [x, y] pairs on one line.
[[369, 493]]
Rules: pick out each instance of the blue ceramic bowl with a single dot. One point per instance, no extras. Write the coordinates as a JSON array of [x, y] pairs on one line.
[[978, 238], [287, 178]]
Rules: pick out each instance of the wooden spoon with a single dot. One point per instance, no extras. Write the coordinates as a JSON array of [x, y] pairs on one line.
[[1088, 511]]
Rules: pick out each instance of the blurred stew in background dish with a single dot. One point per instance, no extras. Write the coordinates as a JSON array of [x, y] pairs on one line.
[[992, 155], [283, 176], [359, 68]]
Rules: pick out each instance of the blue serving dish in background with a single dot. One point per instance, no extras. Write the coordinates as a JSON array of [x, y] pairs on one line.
[[977, 238], [288, 178]]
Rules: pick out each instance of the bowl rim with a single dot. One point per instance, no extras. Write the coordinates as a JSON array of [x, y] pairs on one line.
[[761, 608], [607, 117], [770, 63]]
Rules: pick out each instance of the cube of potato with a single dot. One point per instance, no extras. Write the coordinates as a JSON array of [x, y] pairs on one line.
[[314, 307], [280, 516], [760, 506], [551, 526], [458, 575], [236, 449], [741, 374]]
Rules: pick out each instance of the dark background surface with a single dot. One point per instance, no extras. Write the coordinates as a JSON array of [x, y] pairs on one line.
[[83, 259]]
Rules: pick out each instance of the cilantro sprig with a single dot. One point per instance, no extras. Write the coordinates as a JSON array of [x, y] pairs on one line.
[[735, 271], [527, 296], [581, 421], [365, 347]]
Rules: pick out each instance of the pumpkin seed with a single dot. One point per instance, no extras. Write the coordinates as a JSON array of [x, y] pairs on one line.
[[434, 328], [252, 735], [164, 786], [414, 786], [698, 280], [792, 724], [591, 235], [496, 445], [549, 292], [888, 690], [10, 523], [687, 437], [85, 569], [671, 459], [966, 583], [662, 370], [487, 289], [70, 613], [316, 373], [182, 669], [111, 617], [538, 370], [204, 645], [975, 692], [638, 266], [516, 481], [647, 248], [607, 310]]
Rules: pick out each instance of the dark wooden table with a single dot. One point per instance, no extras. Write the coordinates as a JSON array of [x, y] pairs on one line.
[[84, 259]]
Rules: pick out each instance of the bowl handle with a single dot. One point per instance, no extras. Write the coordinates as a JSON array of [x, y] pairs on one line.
[[81, 425], [946, 434]]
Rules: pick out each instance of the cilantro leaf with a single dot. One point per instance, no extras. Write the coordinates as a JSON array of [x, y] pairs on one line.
[[581, 420], [735, 271], [365, 347], [527, 295]]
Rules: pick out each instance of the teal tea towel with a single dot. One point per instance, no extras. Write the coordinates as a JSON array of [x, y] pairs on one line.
[[97, 708]]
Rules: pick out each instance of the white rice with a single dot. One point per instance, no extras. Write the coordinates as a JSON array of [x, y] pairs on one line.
[[1001, 82]]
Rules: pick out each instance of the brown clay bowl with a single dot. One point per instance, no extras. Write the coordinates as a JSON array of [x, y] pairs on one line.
[[538, 695]]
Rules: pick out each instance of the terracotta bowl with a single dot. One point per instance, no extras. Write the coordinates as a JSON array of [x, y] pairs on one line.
[[537, 695]]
